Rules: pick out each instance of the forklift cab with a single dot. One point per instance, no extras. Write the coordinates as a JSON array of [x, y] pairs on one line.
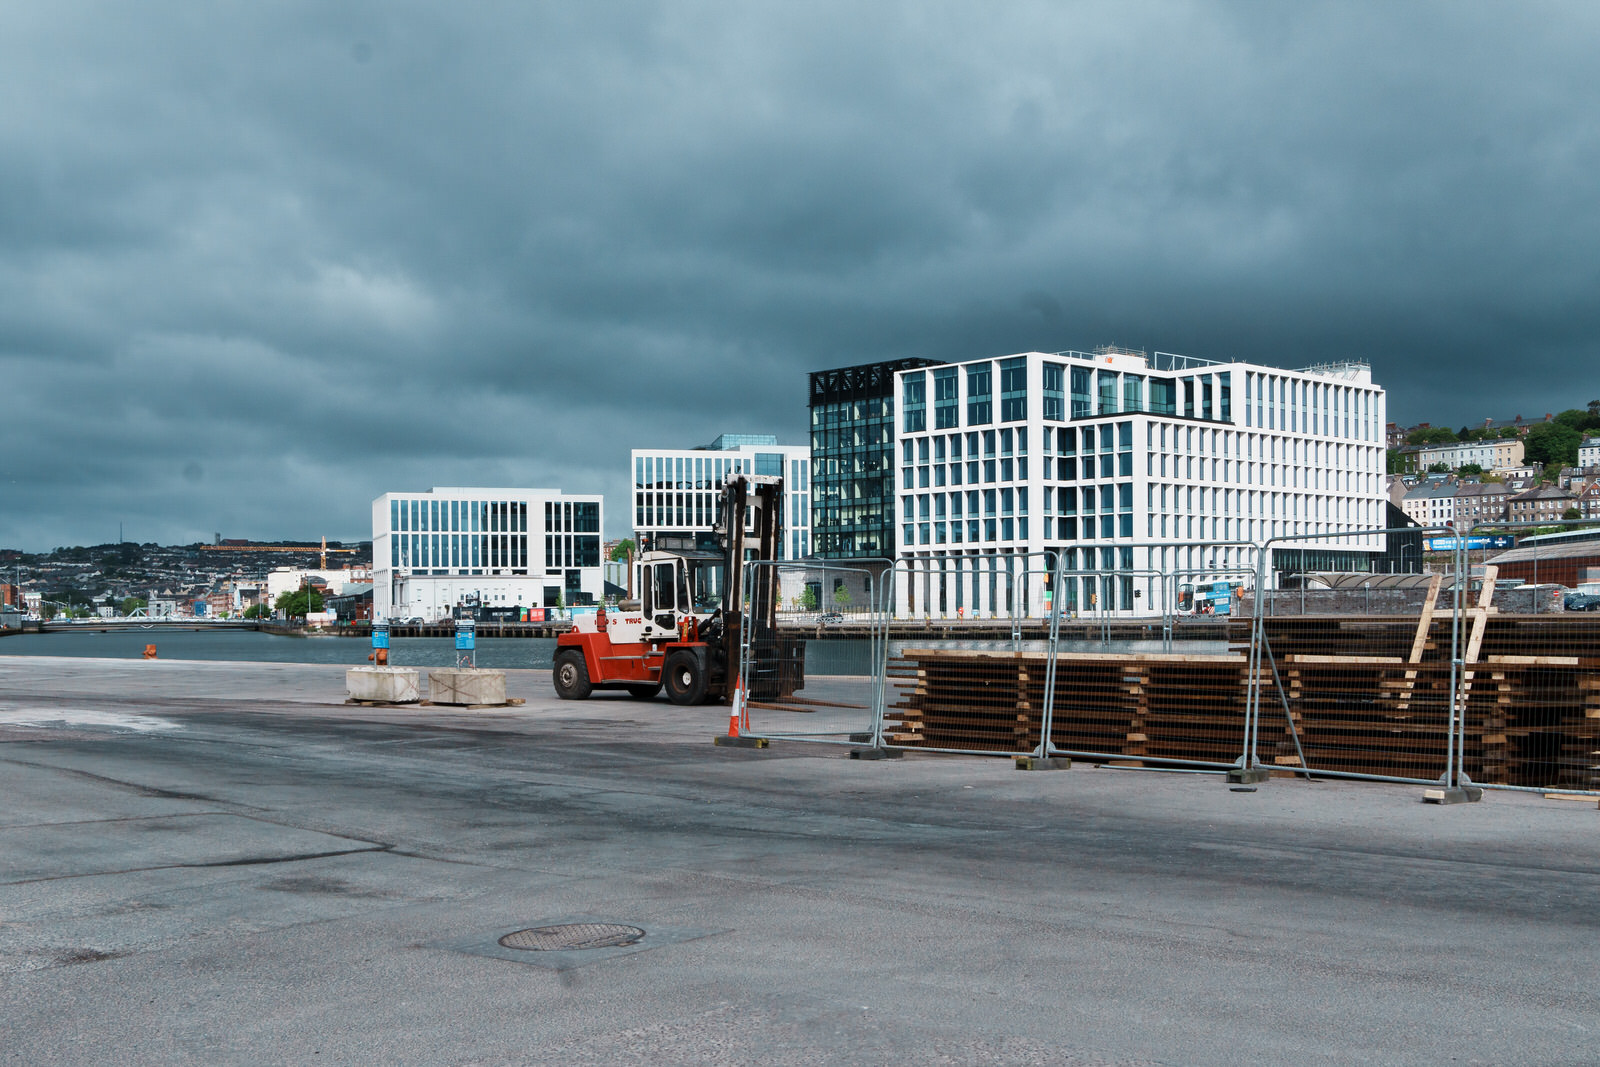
[[676, 586]]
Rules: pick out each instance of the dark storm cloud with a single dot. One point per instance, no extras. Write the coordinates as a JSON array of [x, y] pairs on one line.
[[261, 263]]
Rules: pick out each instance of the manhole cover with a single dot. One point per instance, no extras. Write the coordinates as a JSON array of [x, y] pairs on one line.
[[570, 936]]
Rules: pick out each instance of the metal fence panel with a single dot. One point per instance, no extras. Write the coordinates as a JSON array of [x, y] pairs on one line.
[[1530, 673], [1416, 680], [817, 674]]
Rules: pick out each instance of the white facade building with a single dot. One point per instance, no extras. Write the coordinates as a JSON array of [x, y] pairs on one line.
[[678, 491], [1589, 452], [434, 551], [1495, 454], [1129, 466], [1431, 502]]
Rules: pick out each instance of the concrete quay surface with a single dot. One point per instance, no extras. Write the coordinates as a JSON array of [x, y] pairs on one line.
[[208, 862]]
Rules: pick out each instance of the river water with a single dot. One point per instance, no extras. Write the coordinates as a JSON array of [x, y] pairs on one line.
[[844, 656]]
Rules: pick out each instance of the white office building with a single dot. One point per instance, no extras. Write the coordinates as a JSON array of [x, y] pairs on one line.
[[678, 491], [500, 548], [1130, 466]]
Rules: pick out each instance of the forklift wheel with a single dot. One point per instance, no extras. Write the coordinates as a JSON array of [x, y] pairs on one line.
[[644, 692], [571, 676], [685, 679]]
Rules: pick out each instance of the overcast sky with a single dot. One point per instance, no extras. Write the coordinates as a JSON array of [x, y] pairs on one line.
[[261, 262]]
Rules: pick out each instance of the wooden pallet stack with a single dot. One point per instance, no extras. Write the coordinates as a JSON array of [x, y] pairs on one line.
[[1135, 706], [1367, 696], [971, 701]]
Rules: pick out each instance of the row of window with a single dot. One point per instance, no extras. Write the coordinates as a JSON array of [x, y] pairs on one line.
[[461, 516], [698, 511], [711, 472], [1094, 392], [461, 552], [1274, 402]]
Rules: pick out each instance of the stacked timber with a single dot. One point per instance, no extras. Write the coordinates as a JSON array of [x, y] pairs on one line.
[[1135, 706], [1361, 700], [1364, 696]]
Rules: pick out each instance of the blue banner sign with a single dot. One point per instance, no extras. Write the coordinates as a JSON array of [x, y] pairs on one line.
[[1450, 544]]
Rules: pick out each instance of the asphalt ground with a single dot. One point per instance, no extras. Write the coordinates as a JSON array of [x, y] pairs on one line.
[[224, 863]]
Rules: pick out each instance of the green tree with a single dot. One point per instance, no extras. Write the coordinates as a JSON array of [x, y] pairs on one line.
[[841, 597], [1578, 419], [1439, 468], [131, 604], [295, 602], [809, 599], [1432, 435], [1554, 444], [257, 611], [1394, 461], [1572, 513], [1470, 469]]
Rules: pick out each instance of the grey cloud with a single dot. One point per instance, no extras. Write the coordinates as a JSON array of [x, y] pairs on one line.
[[325, 252]]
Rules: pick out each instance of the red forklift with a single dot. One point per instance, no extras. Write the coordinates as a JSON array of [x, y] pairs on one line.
[[687, 630]]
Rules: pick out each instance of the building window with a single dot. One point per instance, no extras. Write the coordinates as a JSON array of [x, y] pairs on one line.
[[979, 396], [1132, 392], [1013, 390], [915, 401], [946, 401], [1163, 400], [1054, 399], [1081, 403], [1108, 392]]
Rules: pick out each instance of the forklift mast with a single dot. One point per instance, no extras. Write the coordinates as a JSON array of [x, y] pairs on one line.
[[750, 528]]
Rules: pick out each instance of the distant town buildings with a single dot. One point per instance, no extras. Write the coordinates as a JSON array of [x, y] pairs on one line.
[[1495, 454], [491, 548]]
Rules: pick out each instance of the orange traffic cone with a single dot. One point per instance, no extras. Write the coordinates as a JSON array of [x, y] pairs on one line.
[[739, 723], [736, 709]]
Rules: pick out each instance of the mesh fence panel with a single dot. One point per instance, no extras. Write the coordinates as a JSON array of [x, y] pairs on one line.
[[1230, 659], [979, 687], [816, 674], [1531, 666]]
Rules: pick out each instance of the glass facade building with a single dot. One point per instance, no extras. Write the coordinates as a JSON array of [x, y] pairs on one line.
[[530, 547], [1121, 462], [852, 452], [678, 491]]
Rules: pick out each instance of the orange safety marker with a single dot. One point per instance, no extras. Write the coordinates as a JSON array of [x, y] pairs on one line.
[[736, 709], [149, 651]]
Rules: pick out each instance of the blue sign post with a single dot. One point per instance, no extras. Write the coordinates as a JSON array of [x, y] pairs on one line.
[[466, 643]]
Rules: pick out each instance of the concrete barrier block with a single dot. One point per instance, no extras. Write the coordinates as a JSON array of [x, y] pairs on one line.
[[383, 685], [459, 685]]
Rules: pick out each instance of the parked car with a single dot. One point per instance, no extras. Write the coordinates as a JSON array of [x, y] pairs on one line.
[[833, 616], [1582, 602]]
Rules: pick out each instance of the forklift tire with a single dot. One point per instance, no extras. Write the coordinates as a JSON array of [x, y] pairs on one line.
[[571, 676], [644, 692], [685, 679]]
